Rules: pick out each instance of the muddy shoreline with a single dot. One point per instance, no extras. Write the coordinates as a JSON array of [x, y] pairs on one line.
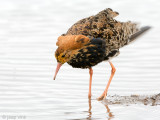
[[152, 100]]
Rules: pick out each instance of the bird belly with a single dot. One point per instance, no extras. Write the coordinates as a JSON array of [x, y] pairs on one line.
[[112, 54]]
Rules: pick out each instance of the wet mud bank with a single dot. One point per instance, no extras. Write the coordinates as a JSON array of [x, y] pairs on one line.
[[152, 100]]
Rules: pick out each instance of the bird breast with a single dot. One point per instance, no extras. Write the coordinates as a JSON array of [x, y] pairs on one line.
[[89, 55]]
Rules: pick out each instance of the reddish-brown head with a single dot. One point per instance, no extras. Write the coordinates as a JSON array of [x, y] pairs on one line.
[[66, 47]]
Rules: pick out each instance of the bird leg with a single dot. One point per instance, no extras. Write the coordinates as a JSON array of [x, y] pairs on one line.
[[103, 96], [90, 82]]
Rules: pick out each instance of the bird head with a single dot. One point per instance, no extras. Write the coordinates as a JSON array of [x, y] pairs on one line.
[[66, 47], [61, 59]]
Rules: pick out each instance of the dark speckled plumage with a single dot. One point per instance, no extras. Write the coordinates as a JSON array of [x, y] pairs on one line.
[[106, 35], [92, 54]]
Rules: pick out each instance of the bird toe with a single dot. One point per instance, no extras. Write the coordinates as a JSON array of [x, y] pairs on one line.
[[102, 97]]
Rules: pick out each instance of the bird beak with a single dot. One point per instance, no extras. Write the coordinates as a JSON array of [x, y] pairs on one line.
[[57, 69]]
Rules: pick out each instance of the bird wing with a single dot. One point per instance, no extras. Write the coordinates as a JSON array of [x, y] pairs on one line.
[[88, 26], [103, 25]]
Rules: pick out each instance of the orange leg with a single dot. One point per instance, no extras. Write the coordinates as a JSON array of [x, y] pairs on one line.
[[90, 82], [103, 96]]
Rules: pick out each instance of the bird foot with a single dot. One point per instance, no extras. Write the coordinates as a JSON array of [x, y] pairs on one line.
[[102, 97]]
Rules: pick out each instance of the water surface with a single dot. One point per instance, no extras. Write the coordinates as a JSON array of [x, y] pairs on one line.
[[28, 35]]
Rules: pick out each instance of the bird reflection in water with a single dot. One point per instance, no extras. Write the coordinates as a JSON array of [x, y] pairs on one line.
[[109, 113], [89, 110]]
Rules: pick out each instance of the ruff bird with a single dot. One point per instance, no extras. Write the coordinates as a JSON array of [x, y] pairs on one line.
[[95, 39]]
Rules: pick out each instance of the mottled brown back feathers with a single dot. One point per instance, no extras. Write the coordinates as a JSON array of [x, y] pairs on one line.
[[103, 25]]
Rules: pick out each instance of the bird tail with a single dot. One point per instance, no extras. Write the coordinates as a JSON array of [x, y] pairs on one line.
[[141, 31], [132, 30]]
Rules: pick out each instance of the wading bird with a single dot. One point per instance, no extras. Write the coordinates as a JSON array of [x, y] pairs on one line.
[[93, 40]]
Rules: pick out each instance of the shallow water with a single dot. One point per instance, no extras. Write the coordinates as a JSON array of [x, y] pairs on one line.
[[28, 33]]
